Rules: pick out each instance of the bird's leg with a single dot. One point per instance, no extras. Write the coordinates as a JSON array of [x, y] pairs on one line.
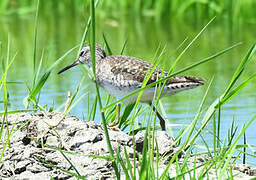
[[162, 121], [116, 121]]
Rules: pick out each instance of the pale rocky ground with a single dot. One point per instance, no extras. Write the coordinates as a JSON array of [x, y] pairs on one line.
[[26, 157]]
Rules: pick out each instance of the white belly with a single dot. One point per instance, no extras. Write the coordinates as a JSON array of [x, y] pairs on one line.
[[120, 92]]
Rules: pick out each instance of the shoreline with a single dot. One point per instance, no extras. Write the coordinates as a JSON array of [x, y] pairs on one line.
[[34, 152]]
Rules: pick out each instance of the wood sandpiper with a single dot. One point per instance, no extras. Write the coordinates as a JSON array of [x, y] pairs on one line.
[[122, 75]]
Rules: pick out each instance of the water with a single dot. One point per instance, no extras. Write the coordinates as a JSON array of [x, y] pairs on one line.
[[58, 33]]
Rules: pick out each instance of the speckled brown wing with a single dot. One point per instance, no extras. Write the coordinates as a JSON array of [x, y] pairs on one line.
[[131, 71]]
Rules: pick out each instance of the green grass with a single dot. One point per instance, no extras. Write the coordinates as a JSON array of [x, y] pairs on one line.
[[93, 59], [221, 152]]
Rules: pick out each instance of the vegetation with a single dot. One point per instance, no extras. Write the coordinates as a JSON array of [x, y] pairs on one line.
[[233, 10], [221, 149]]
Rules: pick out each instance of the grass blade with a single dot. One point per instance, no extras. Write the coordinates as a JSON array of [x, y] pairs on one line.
[[35, 42], [123, 48], [241, 68], [107, 45], [93, 58], [39, 85], [71, 164]]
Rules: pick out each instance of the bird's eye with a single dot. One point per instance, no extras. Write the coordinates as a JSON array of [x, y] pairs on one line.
[[81, 53]]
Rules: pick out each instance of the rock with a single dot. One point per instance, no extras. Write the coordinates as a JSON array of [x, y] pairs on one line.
[[163, 144], [39, 151], [21, 166]]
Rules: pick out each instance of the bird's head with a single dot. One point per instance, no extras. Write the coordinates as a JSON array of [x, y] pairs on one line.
[[85, 57]]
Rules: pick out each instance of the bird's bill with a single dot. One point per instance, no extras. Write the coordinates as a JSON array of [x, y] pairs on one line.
[[76, 62]]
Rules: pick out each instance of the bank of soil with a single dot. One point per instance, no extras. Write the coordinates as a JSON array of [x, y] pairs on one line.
[[31, 154]]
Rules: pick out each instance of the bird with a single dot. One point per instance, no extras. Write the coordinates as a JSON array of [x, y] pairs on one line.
[[121, 75]]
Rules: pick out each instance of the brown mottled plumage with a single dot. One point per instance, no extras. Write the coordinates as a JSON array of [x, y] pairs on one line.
[[121, 75]]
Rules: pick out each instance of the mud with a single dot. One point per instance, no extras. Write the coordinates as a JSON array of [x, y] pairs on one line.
[[36, 149]]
